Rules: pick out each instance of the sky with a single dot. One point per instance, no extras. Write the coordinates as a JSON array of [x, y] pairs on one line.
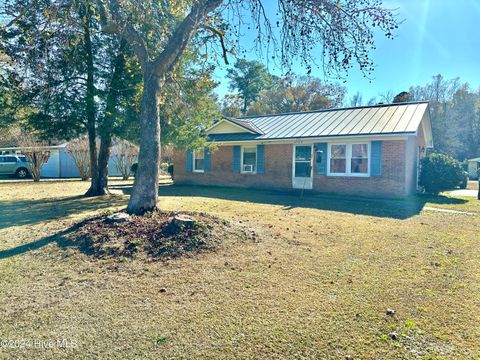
[[435, 37]]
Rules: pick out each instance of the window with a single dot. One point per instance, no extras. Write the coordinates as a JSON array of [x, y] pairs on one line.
[[198, 161], [349, 159], [10, 159], [338, 159], [249, 159], [359, 161]]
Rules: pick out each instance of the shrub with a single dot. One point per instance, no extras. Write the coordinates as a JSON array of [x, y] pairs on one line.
[[124, 153], [79, 151], [441, 172]]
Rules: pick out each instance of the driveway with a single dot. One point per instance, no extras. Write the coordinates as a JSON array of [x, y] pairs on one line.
[[464, 192]]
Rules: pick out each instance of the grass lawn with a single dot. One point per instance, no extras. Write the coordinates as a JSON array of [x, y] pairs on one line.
[[314, 284]]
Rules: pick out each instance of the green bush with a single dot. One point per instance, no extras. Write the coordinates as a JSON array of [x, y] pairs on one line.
[[441, 172]]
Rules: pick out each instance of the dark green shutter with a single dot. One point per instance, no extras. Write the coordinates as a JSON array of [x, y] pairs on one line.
[[237, 153], [260, 159], [189, 161], [207, 156], [376, 158], [321, 158]]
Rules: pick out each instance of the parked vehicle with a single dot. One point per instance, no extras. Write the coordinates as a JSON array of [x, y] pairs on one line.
[[14, 165]]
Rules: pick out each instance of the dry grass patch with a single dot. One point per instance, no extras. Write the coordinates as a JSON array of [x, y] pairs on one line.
[[316, 284]]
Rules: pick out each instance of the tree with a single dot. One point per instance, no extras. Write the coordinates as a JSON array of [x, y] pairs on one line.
[[356, 100], [464, 111], [75, 78], [189, 107], [52, 46], [386, 97], [124, 155], [296, 94], [455, 116], [45, 45], [231, 105], [78, 150], [249, 78], [60, 90], [402, 97], [36, 152], [159, 33], [122, 101]]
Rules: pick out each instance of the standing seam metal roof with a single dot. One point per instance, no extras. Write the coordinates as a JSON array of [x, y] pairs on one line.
[[394, 119]]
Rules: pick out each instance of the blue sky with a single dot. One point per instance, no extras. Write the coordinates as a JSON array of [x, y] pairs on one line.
[[436, 36]]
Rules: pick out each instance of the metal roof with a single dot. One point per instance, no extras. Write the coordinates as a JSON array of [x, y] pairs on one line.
[[389, 119]]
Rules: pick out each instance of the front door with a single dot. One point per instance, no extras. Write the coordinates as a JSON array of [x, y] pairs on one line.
[[302, 167]]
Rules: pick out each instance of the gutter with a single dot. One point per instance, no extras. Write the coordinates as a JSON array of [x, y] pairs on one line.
[[403, 136]]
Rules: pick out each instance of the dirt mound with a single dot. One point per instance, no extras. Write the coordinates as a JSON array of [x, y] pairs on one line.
[[157, 235]]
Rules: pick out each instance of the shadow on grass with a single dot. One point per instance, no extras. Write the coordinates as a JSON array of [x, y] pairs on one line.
[[59, 238], [29, 212], [391, 208], [24, 212]]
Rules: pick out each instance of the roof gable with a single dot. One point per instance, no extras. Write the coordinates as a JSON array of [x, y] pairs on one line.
[[233, 126]]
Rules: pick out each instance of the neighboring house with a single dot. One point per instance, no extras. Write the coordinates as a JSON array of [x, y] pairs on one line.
[[473, 166], [60, 163], [370, 151]]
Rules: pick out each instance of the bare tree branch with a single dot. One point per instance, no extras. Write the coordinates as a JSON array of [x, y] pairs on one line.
[[220, 35]]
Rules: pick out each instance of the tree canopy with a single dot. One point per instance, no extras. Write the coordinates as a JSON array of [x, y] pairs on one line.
[[298, 93], [455, 116], [249, 78]]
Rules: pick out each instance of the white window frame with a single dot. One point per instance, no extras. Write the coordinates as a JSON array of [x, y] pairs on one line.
[[194, 163], [348, 159], [241, 160]]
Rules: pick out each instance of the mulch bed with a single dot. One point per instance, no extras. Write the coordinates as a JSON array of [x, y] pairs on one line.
[[154, 235]]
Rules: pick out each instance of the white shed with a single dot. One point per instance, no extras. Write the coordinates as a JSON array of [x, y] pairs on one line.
[[473, 166]]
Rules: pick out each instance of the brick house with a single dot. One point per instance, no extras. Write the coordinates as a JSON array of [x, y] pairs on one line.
[[369, 151]]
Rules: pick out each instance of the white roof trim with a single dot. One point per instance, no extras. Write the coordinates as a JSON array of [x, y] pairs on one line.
[[48, 147], [403, 136]]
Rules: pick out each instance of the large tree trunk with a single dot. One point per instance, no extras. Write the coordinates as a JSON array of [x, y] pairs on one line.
[[106, 127], [103, 157], [90, 105], [145, 188]]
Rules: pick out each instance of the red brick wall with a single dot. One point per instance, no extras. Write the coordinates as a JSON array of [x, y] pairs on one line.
[[278, 169], [390, 184], [278, 172]]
